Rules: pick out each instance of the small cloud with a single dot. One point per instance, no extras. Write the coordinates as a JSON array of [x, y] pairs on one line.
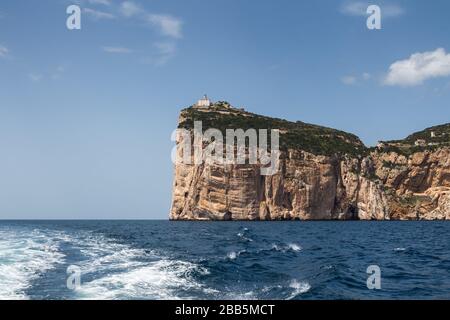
[[168, 25], [392, 10], [164, 52], [98, 15], [4, 51], [419, 68], [100, 2], [129, 9], [35, 77], [359, 8], [348, 80], [355, 79], [354, 8], [119, 50]]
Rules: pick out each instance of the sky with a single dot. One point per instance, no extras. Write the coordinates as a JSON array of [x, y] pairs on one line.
[[86, 115]]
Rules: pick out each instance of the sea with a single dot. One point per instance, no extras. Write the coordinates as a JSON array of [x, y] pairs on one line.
[[140, 260]]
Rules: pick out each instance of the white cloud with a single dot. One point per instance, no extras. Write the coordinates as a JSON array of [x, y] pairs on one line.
[[165, 47], [168, 25], [100, 2], [392, 11], [119, 50], [348, 80], [3, 51], [355, 79], [359, 8], [354, 8], [35, 77], [419, 68], [165, 51], [54, 73], [98, 14], [129, 9]]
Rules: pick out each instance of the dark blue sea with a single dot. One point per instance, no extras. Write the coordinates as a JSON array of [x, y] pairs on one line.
[[223, 260]]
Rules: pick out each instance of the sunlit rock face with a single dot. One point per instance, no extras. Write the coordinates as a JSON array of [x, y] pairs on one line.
[[342, 180]]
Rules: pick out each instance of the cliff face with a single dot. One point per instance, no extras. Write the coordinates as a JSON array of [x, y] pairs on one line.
[[315, 184], [419, 183]]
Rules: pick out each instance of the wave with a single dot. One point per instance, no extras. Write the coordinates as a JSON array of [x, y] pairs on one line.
[[243, 237], [299, 287], [294, 247], [233, 255], [163, 279], [109, 269], [284, 248], [128, 273], [287, 291], [116, 271], [112, 269], [24, 256]]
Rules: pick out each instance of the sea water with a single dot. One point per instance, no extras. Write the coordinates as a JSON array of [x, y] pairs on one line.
[[224, 260]]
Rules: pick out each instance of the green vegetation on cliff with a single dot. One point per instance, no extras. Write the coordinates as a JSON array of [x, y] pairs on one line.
[[429, 139], [437, 134], [293, 135]]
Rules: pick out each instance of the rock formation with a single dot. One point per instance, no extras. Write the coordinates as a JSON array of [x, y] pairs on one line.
[[323, 174]]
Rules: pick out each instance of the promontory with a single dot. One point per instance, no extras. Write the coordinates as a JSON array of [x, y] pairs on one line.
[[323, 174]]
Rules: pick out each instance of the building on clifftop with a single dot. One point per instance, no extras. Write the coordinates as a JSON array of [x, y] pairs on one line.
[[204, 102]]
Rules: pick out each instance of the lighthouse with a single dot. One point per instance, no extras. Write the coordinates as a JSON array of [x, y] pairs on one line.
[[204, 102]]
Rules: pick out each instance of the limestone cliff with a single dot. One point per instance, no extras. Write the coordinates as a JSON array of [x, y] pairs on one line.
[[323, 174]]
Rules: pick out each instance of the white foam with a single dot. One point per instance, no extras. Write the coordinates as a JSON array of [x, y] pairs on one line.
[[299, 287], [291, 246], [399, 249], [233, 255], [163, 279], [267, 289], [243, 237], [249, 295], [122, 272], [24, 256], [294, 247]]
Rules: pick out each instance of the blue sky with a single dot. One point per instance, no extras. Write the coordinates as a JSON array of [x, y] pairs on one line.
[[86, 115]]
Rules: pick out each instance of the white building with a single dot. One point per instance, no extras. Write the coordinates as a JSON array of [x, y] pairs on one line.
[[204, 102], [420, 143]]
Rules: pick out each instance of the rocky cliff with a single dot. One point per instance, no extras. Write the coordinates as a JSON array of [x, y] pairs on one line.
[[323, 174]]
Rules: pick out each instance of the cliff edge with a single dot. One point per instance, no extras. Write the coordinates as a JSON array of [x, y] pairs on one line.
[[323, 174]]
